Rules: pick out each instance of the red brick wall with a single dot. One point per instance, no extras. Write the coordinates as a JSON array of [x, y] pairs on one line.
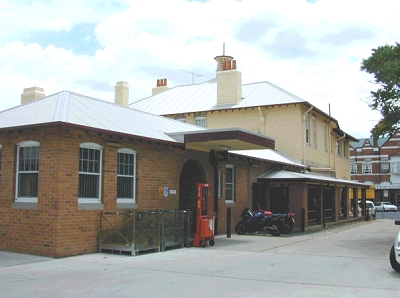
[[298, 199], [58, 228], [245, 176]]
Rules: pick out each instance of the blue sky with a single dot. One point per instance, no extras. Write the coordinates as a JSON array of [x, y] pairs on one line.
[[311, 48], [81, 39]]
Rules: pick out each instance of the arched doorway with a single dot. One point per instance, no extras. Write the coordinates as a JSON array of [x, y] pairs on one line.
[[192, 174]]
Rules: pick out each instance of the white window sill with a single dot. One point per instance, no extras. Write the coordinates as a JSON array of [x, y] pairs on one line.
[[90, 206], [25, 205], [125, 205], [230, 204]]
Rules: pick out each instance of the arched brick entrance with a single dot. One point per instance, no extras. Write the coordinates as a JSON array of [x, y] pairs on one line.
[[192, 174]]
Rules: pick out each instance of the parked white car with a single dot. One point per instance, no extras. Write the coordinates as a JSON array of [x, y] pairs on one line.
[[370, 207], [394, 255], [385, 206]]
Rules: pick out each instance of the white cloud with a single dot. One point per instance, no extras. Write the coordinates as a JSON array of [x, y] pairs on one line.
[[311, 50]]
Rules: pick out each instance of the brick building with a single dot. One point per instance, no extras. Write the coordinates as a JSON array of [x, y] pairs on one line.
[[377, 163], [67, 157]]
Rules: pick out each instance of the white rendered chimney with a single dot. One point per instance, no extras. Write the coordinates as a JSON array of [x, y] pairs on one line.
[[229, 81], [122, 93], [31, 94], [162, 85]]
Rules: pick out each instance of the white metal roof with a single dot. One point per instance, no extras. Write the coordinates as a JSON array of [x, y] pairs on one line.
[[83, 111], [80, 110], [270, 155], [282, 175], [203, 97]]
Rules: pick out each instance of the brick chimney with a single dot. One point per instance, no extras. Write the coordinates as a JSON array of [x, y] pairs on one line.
[[229, 81], [162, 85], [122, 93], [31, 94]]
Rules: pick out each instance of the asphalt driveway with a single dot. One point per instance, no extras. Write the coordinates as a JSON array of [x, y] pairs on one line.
[[344, 261]]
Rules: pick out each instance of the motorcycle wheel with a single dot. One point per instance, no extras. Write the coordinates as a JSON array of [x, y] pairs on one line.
[[393, 262], [287, 227], [240, 227], [276, 230]]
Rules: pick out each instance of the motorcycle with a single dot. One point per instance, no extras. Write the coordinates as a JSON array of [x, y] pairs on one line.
[[258, 222], [288, 221]]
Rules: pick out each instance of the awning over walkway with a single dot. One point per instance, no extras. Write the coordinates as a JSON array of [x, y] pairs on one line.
[[270, 155], [282, 176], [223, 140]]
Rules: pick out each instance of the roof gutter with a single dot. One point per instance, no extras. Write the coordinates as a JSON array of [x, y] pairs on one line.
[[344, 135]]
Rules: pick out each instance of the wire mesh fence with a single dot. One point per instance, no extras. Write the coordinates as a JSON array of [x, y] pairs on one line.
[[144, 230]]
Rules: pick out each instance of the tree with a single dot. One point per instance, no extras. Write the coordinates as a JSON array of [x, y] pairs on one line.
[[384, 65]]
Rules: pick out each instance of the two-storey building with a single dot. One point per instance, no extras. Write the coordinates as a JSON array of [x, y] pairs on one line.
[[300, 130], [377, 163]]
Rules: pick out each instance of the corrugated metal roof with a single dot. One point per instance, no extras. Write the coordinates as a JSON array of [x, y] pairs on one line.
[[281, 175], [270, 155], [203, 97], [76, 109], [83, 111]]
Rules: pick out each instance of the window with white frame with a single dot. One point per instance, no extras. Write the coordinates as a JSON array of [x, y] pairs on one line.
[[314, 131], [338, 147], [27, 171], [385, 167], [200, 121], [353, 168], [325, 136], [307, 129], [126, 173], [344, 148], [395, 167], [230, 183], [90, 159], [367, 167]]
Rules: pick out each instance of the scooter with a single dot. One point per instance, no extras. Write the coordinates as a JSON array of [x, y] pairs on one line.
[[259, 222], [288, 221]]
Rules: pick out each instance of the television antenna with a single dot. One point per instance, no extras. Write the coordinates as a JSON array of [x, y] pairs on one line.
[[193, 74]]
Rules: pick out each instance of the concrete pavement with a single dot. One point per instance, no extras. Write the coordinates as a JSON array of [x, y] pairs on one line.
[[344, 261]]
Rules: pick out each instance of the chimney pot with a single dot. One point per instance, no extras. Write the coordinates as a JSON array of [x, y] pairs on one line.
[[229, 84], [161, 86], [228, 65]]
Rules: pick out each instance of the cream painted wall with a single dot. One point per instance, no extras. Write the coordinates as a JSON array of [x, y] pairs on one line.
[[286, 125]]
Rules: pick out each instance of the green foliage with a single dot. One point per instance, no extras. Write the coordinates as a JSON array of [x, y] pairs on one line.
[[384, 65]]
